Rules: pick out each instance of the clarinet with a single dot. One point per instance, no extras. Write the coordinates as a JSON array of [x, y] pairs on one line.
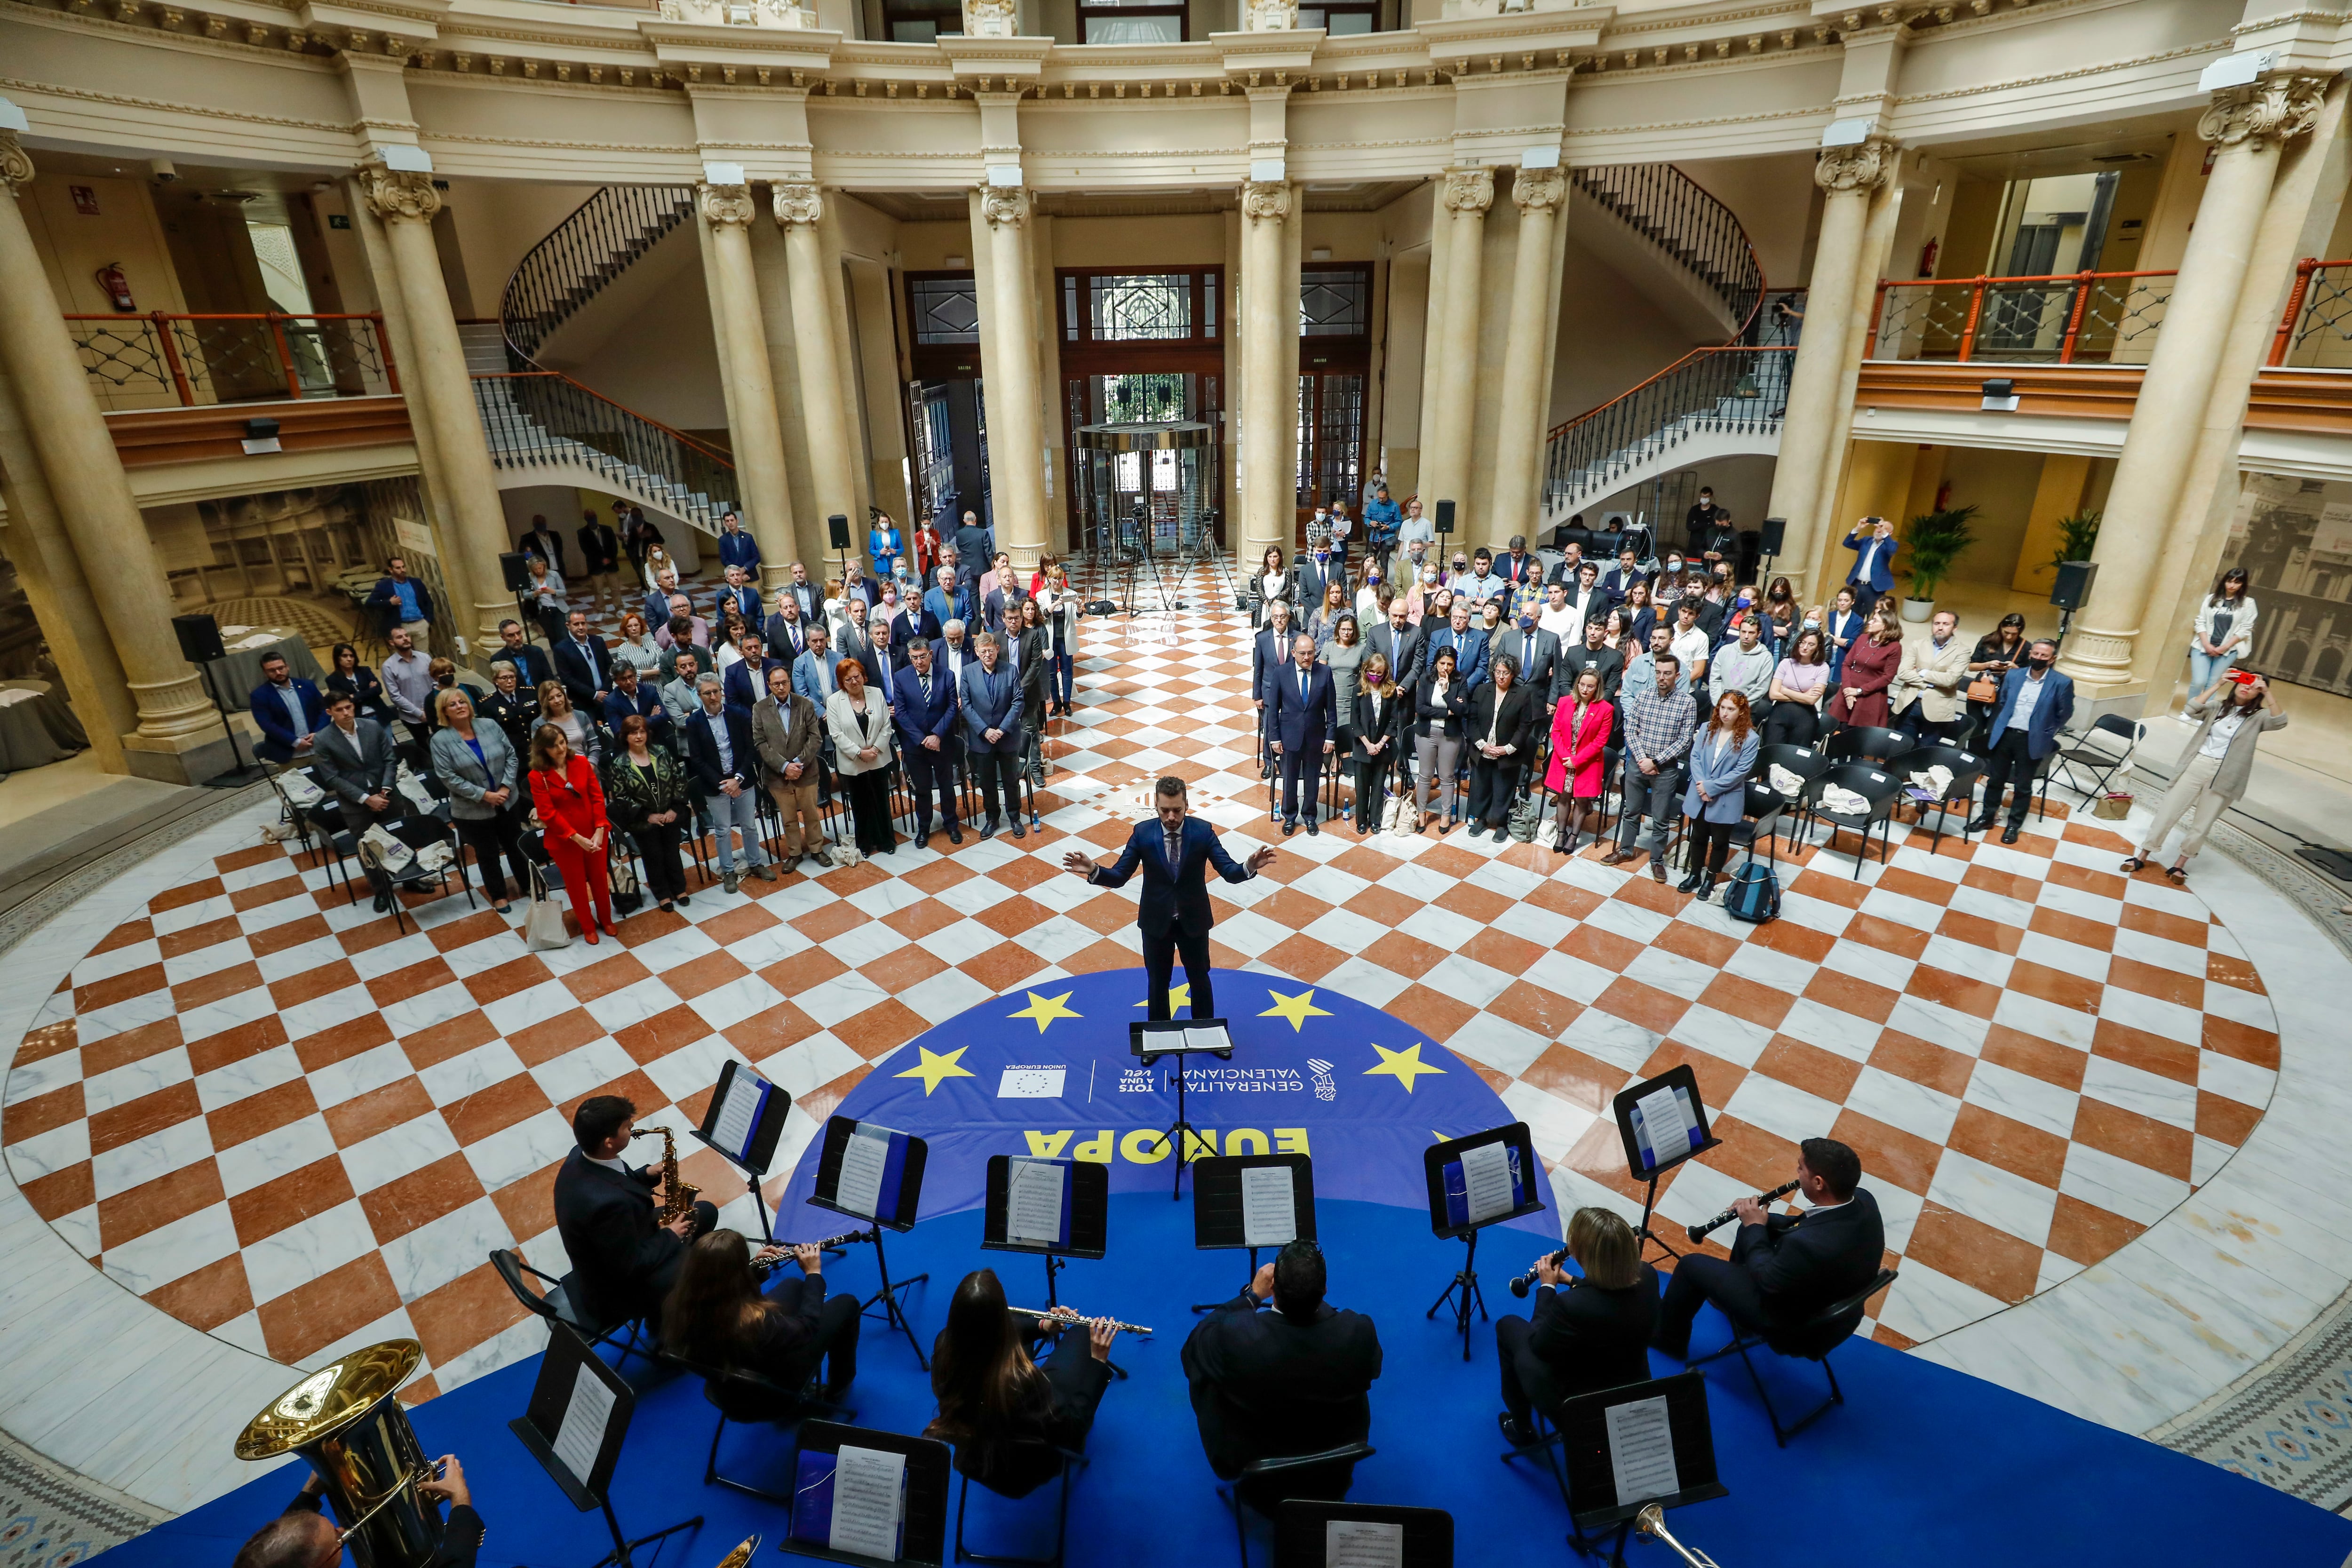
[[763, 1266], [1698, 1232], [1520, 1285]]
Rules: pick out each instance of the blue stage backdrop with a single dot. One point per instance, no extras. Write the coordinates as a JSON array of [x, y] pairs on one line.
[[1922, 1466]]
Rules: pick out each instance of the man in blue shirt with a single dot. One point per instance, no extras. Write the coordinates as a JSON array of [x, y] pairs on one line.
[[403, 600], [2036, 704], [1468, 643], [1874, 557], [737, 548], [1382, 516], [289, 710]]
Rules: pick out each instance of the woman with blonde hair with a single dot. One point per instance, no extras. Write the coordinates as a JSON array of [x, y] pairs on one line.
[[1379, 720], [1587, 1332], [555, 708]]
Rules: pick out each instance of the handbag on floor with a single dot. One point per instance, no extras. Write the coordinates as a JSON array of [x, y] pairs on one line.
[[543, 927], [628, 893], [1754, 895]]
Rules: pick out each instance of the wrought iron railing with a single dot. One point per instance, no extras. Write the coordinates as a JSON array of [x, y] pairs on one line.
[[2315, 331], [162, 357], [580, 256], [2079, 318], [534, 418], [1676, 213], [1729, 390]]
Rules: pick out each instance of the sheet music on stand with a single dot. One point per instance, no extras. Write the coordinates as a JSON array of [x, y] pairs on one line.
[[1253, 1200], [1033, 1212], [1314, 1533], [1639, 1444], [1169, 1037], [869, 1501], [1363, 1543], [585, 1417]]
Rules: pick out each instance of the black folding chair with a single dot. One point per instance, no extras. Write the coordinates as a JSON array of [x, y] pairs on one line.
[[1032, 1458], [1265, 1485], [1967, 768], [1806, 762], [748, 1398], [1812, 1340], [1866, 743], [561, 1304], [1879, 791], [2097, 758]]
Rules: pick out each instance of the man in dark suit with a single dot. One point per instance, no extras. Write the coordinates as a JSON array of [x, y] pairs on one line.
[[1702, 520], [546, 543], [1002, 609], [746, 680], [1784, 1270], [2036, 704], [911, 623], [402, 600], [289, 710], [740, 593], [304, 1536], [1536, 652], [1564, 570], [1468, 643], [786, 632], [736, 547], [657, 606], [584, 664], [1310, 575], [992, 732], [975, 548], [624, 1260], [1594, 654], [810, 596], [532, 668], [1398, 640], [721, 758], [951, 650], [1269, 651], [1295, 1380], [1619, 580], [1301, 717], [600, 550], [1174, 854], [1518, 567], [923, 709], [882, 657], [360, 770], [630, 695]]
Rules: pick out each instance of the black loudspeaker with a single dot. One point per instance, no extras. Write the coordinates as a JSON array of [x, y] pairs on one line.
[[2073, 585], [1444, 517], [1772, 536], [516, 565], [838, 529], [200, 638]]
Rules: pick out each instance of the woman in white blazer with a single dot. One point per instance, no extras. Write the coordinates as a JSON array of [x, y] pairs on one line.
[[2225, 627], [858, 719]]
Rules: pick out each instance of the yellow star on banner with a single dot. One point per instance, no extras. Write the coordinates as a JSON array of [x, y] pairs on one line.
[[1404, 1066], [936, 1068], [1045, 1009], [1297, 1009], [1179, 996]]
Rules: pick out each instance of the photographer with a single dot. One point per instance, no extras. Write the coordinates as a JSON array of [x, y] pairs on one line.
[[305, 1537], [2215, 768]]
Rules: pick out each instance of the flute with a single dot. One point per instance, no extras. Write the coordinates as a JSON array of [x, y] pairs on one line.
[[1698, 1232], [765, 1260], [1063, 1315]]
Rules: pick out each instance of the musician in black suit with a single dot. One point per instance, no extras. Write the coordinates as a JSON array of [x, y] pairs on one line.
[[305, 1535], [1295, 1380], [1587, 1332], [1174, 853], [1784, 1269], [624, 1260], [1302, 718]]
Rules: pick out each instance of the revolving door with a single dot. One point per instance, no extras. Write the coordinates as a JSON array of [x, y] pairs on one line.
[[1147, 492]]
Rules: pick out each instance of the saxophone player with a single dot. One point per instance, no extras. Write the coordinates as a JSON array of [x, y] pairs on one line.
[[626, 1260]]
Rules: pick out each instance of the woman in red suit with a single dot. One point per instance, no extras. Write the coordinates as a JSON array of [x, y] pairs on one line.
[[1869, 669], [1580, 733], [571, 809]]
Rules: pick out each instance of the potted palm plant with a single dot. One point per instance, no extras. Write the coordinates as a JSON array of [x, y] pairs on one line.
[[2076, 536], [1933, 541]]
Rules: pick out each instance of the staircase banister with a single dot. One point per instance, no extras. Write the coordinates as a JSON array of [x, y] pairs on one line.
[[680, 437], [2032, 277], [1692, 357]]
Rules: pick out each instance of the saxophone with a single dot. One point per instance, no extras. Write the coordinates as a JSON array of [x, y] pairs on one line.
[[677, 1199]]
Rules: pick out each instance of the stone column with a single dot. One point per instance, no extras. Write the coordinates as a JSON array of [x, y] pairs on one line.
[[441, 395], [1016, 448], [1269, 405], [2247, 125], [94, 504], [726, 214], [1539, 194], [1468, 194], [832, 437], [1804, 480]]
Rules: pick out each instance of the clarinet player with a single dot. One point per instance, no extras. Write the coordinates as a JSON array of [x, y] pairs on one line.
[[627, 1261], [1584, 1333]]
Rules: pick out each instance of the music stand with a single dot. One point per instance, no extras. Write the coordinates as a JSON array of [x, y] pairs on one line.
[[542, 1431], [753, 1110], [1451, 1214], [1219, 1220], [1302, 1532], [1651, 1153], [901, 1187], [924, 1538], [1587, 1449], [1150, 1042]]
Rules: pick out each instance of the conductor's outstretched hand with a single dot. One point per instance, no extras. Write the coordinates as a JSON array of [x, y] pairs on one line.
[[1262, 860], [1077, 862]]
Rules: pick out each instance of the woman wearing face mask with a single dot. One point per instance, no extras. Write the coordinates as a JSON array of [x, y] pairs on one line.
[[1721, 758], [2214, 770]]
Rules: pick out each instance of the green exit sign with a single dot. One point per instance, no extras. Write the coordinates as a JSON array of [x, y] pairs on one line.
[[339, 220]]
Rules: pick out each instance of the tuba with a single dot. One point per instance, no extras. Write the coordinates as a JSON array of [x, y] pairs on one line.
[[678, 1197], [345, 1421]]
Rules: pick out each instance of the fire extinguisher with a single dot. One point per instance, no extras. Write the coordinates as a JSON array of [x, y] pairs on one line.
[[117, 287], [1928, 259]]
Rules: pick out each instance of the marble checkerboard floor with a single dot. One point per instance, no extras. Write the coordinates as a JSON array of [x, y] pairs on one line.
[[274, 1117]]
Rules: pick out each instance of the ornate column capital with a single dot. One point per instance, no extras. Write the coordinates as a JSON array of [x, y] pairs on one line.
[[727, 206], [1004, 205], [1266, 201], [1539, 190], [1864, 166], [16, 164], [2276, 108], [799, 203], [1469, 190], [393, 195]]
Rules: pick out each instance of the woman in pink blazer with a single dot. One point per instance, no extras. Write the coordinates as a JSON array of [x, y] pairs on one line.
[[1580, 733]]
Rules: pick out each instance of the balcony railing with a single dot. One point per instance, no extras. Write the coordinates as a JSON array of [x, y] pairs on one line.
[[162, 359], [2315, 331], [2078, 318]]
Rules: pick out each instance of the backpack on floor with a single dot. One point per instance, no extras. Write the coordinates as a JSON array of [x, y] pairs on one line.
[[1754, 895], [1524, 813]]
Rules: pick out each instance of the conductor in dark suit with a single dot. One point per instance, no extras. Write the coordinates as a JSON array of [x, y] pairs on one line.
[[624, 1260], [1174, 853], [1587, 1332], [1784, 1269], [1301, 718], [1295, 1380]]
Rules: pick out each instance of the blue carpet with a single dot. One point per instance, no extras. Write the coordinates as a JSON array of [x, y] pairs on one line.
[[1922, 1466]]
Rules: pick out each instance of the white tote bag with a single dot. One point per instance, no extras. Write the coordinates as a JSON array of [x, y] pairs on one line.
[[544, 928]]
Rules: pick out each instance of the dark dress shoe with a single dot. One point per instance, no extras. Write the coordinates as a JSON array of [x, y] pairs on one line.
[[1707, 888], [2009, 834], [1980, 825], [1518, 1434], [988, 829], [1690, 884], [1289, 825], [1312, 828], [955, 833], [1018, 831]]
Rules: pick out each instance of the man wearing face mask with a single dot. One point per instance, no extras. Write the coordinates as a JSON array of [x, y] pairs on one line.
[[2036, 704]]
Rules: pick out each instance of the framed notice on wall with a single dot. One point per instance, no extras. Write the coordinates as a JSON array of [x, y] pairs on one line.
[[2294, 537]]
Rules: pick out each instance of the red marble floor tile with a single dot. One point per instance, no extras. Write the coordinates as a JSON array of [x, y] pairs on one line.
[[1565, 899], [1817, 1072], [420, 1197], [1750, 1155], [1886, 936], [2087, 1234], [880, 1029], [1541, 1012], [1304, 958], [1718, 1079], [1655, 1010], [1974, 1253], [312, 984], [1961, 993], [1502, 952], [186, 893], [528, 1206], [43, 1113], [1906, 1056], [451, 1037], [1888, 1154], [649, 1039], [287, 934], [2241, 1041], [543, 1042], [151, 1206], [605, 977], [103, 1056], [196, 937], [2128, 1136], [411, 980], [2056, 986], [207, 1296], [1097, 956], [2225, 1119], [2149, 1053], [340, 1302], [1581, 1081], [2024, 1150], [257, 1114], [1011, 916], [508, 978], [364, 1116], [117, 988], [1790, 939], [1433, 1013], [1402, 954], [1979, 931], [1832, 988], [1697, 943], [2220, 969], [464, 932], [2165, 985], [290, 1199], [2157, 923], [129, 931], [2036, 1058], [475, 1307], [1003, 966], [1740, 997], [803, 972], [251, 855], [55, 1039], [61, 1191], [137, 1119], [267, 894], [908, 966]]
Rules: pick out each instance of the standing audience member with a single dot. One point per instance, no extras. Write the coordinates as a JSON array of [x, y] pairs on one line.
[[1501, 727], [1692, 642], [1591, 651], [545, 591], [1721, 758], [545, 543], [1033, 666], [571, 803], [644, 793], [720, 755], [1658, 725], [408, 683], [1798, 683], [992, 736], [533, 667], [403, 602], [1062, 607], [1005, 1414], [680, 699], [599, 559], [2225, 626], [584, 664], [1996, 653], [788, 731], [2036, 704], [1344, 656], [924, 711], [2215, 769], [1378, 723], [1579, 735], [1873, 544], [1440, 705], [479, 765], [360, 770], [1580, 1335], [1926, 695], [348, 676], [736, 545], [1272, 585], [555, 708], [1303, 721], [1860, 698], [632, 693], [883, 543], [1744, 666], [859, 720], [511, 706], [1844, 627], [289, 709], [638, 647]]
